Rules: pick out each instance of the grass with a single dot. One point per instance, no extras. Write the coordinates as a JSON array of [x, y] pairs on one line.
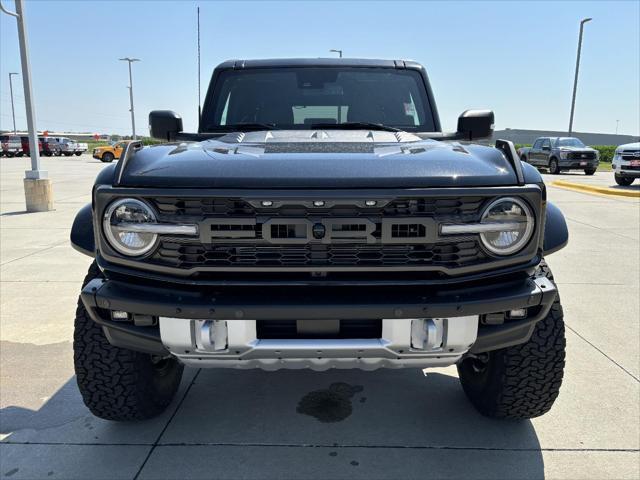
[[604, 167]]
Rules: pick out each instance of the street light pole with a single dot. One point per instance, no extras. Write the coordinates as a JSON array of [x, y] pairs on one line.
[[575, 80], [13, 111], [37, 187], [339, 52], [133, 119]]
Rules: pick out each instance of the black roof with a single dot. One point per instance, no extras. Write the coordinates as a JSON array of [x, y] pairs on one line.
[[318, 62]]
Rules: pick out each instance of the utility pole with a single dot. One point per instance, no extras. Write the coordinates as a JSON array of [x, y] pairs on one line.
[[37, 187], [13, 111], [133, 119], [339, 52], [575, 80]]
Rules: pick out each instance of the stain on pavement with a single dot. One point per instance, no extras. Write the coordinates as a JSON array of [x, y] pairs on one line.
[[329, 405]]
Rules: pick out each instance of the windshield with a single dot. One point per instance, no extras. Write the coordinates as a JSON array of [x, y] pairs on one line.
[[305, 98], [569, 142]]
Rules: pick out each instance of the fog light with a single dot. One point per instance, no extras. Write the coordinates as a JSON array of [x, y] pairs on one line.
[[266, 203], [518, 313], [318, 203], [371, 203], [119, 316]]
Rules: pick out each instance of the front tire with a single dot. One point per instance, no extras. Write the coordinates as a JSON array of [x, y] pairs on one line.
[[554, 169], [78, 153], [589, 171], [116, 383], [522, 381], [107, 157], [622, 181]]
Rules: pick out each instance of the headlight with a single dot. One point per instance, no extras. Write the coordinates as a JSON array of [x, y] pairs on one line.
[[513, 226], [564, 154], [124, 226]]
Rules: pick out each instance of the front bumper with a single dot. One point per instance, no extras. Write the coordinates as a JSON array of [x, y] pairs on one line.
[[184, 314], [624, 169], [577, 164]]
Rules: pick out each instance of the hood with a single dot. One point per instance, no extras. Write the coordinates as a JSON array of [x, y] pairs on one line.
[[317, 159], [629, 146], [577, 149]]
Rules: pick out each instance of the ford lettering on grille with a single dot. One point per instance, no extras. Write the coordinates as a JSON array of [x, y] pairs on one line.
[[288, 231]]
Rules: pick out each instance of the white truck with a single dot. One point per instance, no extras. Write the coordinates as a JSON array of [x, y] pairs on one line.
[[81, 147], [67, 146], [70, 147], [626, 163]]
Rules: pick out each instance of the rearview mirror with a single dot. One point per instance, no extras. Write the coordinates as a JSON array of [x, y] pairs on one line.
[[474, 124], [165, 124]]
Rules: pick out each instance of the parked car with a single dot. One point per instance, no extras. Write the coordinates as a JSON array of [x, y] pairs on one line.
[[11, 145], [81, 147], [561, 153], [626, 163], [319, 219], [50, 147], [109, 153], [25, 147], [67, 146]]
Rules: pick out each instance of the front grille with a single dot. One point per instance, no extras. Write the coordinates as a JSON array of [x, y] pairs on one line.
[[463, 208], [630, 167], [581, 155], [178, 253], [234, 233], [631, 154], [288, 329]]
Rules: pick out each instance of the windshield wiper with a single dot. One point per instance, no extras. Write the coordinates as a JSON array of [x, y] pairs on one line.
[[239, 127], [356, 126]]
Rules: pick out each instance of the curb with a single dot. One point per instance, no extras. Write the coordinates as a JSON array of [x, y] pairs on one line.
[[593, 189]]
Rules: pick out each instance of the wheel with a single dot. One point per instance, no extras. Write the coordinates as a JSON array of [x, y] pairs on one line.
[[78, 153], [107, 157], [521, 381], [623, 181], [19, 154], [116, 383], [10, 154], [48, 154], [553, 167], [67, 154], [589, 171]]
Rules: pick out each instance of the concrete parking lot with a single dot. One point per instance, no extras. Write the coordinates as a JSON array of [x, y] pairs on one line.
[[245, 424]]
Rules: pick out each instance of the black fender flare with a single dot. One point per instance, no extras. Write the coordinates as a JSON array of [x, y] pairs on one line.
[[556, 233], [82, 237]]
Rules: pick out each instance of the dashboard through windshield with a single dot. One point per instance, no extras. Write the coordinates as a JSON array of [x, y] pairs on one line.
[[306, 98]]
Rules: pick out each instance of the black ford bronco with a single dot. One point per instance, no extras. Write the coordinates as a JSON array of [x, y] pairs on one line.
[[318, 219]]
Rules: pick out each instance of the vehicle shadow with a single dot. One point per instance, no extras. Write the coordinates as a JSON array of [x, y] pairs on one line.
[[385, 414]]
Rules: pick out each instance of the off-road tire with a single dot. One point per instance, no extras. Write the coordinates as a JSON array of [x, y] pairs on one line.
[[554, 169], [116, 383], [521, 381], [107, 157], [623, 181], [589, 171]]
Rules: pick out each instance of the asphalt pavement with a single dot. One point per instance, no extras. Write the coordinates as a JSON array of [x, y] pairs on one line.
[[388, 424]]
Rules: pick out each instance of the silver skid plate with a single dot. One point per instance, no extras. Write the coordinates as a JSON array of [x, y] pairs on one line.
[[417, 343]]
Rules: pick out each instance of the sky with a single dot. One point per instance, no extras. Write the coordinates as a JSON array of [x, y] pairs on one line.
[[516, 58]]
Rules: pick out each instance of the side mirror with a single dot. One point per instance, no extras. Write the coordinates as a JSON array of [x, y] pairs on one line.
[[474, 124], [165, 124]]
